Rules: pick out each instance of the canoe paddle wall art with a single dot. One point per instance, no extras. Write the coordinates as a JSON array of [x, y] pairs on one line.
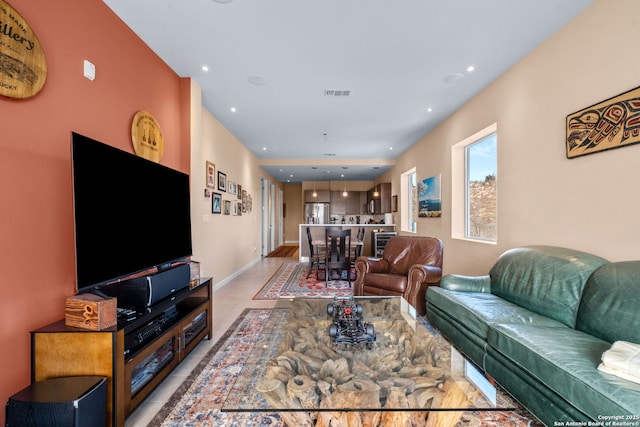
[[613, 123]]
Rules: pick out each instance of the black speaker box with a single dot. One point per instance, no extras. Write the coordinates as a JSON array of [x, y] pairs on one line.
[[144, 291], [60, 402]]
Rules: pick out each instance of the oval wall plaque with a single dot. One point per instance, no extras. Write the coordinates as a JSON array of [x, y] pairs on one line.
[[146, 136], [23, 69]]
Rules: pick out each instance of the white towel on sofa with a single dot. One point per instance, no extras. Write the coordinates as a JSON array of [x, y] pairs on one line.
[[623, 360]]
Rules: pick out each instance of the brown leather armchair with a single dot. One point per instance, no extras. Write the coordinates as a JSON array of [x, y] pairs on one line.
[[408, 266]]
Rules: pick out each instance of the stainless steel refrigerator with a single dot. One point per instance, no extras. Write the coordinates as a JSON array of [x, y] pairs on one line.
[[316, 213]]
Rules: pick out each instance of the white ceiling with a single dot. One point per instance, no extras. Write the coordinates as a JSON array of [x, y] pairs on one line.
[[404, 63]]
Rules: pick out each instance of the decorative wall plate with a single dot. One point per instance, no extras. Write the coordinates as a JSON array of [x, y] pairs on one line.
[[146, 136], [23, 69]]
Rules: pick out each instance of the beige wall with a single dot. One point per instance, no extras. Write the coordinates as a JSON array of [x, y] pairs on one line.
[[587, 203], [294, 201], [225, 245]]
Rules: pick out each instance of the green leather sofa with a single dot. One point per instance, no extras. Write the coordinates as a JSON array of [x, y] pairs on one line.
[[539, 323]]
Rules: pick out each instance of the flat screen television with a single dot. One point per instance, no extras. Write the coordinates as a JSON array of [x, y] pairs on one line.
[[131, 214]]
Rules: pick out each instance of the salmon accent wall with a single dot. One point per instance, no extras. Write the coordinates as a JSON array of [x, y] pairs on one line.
[[36, 227]]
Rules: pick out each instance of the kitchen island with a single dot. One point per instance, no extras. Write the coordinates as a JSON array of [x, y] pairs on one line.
[[317, 233]]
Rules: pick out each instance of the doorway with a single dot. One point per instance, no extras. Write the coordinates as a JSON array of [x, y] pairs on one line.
[[267, 209]]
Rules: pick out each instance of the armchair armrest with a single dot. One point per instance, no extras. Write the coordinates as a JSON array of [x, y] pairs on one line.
[[456, 282], [420, 277], [419, 273], [371, 265]]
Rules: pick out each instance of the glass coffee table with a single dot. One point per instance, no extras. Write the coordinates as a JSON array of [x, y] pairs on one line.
[[363, 361]]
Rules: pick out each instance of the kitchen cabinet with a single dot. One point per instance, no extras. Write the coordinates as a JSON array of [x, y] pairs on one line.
[[338, 203], [353, 204], [324, 196], [382, 203]]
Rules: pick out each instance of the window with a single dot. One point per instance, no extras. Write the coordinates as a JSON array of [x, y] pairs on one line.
[[409, 197], [474, 187]]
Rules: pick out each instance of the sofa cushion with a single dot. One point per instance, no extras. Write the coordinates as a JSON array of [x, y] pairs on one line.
[[544, 279], [477, 310], [610, 303], [566, 361]]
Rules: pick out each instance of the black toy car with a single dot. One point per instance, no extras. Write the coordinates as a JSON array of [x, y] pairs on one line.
[[348, 327]]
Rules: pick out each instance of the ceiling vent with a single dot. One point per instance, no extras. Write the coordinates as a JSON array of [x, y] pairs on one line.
[[328, 92]]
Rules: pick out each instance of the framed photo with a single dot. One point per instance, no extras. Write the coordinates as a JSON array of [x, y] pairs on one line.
[[210, 175], [231, 187], [227, 207], [222, 181], [429, 200], [394, 203], [239, 191], [216, 203]]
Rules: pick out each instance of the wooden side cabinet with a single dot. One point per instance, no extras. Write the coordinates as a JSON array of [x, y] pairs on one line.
[[134, 356]]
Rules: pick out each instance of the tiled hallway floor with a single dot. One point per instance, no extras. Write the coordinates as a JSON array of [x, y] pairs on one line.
[[228, 303]]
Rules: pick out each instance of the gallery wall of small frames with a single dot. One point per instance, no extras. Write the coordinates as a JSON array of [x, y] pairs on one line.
[[227, 197]]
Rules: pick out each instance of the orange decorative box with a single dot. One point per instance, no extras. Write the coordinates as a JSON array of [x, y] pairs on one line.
[[89, 311]]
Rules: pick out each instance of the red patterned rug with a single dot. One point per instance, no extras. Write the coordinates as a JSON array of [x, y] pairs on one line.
[[290, 281]]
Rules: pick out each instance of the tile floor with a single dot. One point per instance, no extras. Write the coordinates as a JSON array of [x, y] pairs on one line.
[[228, 303]]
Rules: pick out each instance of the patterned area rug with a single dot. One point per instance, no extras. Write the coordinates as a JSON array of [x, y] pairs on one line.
[[197, 402], [290, 281]]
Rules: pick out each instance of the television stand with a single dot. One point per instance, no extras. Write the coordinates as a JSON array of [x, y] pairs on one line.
[[135, 356]]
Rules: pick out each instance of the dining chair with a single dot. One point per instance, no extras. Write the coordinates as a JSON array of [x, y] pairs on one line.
[[338, 253], [357, 248], [316, 256]]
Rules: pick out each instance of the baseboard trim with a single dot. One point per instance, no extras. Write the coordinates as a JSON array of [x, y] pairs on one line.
[[235, 274]]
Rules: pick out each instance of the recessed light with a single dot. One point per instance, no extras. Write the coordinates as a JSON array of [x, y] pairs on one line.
[[471, 69], [205, 68], [264, 148], [223, 1], [233, 109], [429, 110], [257, 80], [390, 148], [452, 78]]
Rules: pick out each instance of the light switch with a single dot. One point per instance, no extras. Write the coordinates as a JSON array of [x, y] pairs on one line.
[[89, 70]]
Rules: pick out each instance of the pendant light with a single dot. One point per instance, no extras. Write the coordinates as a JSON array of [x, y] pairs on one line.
[[375, 188], [315, 193], [344, 193]]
